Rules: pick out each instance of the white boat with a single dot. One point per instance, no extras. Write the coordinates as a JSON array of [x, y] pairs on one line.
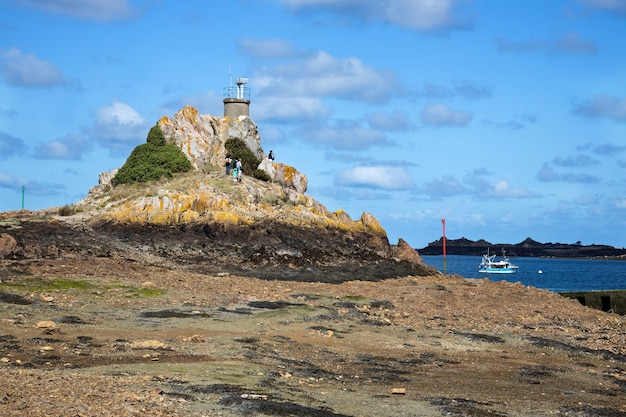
[[489, 265]]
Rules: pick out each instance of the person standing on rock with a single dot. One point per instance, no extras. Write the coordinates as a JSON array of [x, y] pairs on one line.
[[239, 168], [229, 161], [271, 155]]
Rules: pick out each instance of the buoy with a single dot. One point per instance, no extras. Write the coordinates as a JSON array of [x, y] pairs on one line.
[[540, 272]]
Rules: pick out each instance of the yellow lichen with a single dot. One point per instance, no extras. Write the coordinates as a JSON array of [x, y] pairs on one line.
[[289, 173], [226, 217], [190, 114]]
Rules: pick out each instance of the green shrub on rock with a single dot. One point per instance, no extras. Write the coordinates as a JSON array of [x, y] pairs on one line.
[[155, 136], [259, 174], [152, 160]]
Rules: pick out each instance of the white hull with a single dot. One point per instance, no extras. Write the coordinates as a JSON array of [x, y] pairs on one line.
[[511, 270], [490, 266]]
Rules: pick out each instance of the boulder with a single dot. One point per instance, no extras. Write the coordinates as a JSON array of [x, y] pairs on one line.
[[285, 175], [405, 252], [8, 246]]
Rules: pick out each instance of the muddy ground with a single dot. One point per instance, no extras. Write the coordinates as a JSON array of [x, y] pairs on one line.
[[111, 336]]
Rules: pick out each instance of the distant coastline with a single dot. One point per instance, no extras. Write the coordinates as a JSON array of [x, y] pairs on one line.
[[527, 248]]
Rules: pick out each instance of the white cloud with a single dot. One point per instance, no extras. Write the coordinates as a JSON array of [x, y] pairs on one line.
[[549, 174], [420, 15], [119, 126], [602, 106], [70, 147], [344, 137], [396, 121], [618, 202], [502, 189], [32, 187], [290, 109], [85, 9], [578, 161], [475, 184], [437, 114], [28, 70], [272, 135], [444, 186], [323, 75], [379, 177], [119, 113]]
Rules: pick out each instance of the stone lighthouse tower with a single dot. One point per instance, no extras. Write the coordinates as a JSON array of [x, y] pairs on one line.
[[237, 101]]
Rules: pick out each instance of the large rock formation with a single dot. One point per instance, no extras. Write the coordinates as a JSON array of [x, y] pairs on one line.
[[202, 137], [205, 221], [285, 175]]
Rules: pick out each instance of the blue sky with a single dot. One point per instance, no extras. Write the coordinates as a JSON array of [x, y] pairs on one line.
[[506, 118]]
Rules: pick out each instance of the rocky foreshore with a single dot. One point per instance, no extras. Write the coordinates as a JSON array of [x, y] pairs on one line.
[[196, 295], [131, 332]]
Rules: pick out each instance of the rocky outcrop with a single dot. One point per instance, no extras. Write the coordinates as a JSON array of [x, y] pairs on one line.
[[285, 175], [206, 221], [196, 135], [245, 129], [404, 251], [105, 178], [202, 137]]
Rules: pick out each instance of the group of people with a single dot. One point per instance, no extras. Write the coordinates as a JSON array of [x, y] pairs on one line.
[[237, 167]]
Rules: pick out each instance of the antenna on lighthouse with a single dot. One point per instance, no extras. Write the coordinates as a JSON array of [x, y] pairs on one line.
[[241, 82]]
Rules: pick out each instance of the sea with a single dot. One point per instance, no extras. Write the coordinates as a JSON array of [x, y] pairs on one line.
[[554, 274]]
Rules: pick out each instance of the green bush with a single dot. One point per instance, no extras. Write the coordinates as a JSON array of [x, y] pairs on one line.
[[238, 149], [152, 161], [259, 174], [155, 136]]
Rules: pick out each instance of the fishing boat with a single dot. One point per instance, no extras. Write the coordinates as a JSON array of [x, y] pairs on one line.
[[489, 265]]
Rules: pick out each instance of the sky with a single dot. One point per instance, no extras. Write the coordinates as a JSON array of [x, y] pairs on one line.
[[505, 118]]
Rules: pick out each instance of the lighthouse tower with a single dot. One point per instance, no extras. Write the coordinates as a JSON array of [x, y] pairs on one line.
[[237, 101]]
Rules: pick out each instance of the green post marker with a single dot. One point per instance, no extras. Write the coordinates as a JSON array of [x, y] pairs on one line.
[[23, 189]]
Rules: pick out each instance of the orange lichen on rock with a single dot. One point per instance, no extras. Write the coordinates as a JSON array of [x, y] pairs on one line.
[[227, 217], [190, 113], [289, 173], [371, 223]]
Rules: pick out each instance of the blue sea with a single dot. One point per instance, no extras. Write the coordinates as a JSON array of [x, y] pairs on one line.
[[547, 273]]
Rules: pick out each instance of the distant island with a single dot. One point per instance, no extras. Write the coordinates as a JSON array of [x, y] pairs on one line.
[[528, 247]]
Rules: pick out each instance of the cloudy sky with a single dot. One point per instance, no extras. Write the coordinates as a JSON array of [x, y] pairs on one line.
[[506, 118]]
